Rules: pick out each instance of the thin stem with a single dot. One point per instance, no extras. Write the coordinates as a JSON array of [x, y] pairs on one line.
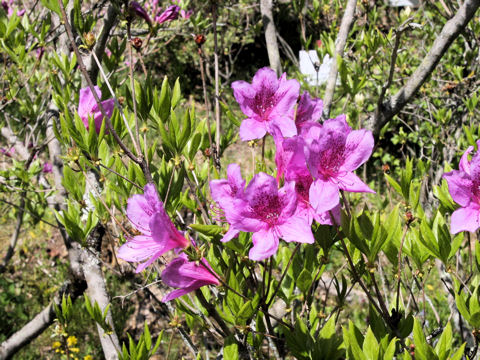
[[213, 312], [134, 99], [120, 175], [283, 275], [400, 265], [81, 65], [112, 93], [217, 81]]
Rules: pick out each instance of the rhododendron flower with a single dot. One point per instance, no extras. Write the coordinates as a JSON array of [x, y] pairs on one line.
[[464, 187], [269, 104], [291, 162], [332, 152], [87, 106], [225, 191], [8, 152], [269, 213], [186, 14], [158, 234], [309, 111], [187, 275], [137, 9], [47, 167], [9, 7], [171, 13]]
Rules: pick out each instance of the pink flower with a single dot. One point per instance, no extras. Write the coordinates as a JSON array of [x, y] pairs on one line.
[[309, 111], [332, 152], [464, 187], [47, 167], [269, 104], [269, 213], [225, 191], [168, 15], [8, 6], [8, 152], [87, 106], [137, 9], [290, 161], [187, 275], [186, 14], [159, 235]]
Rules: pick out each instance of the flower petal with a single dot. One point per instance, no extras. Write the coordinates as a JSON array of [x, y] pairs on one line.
[[87, 102], [323, 195], [296, 229], [351, 182], [265, 244], [464, 163], [138, 248], [460, 186], [465, 219], [250, 129], [358, 148], [140, 208]]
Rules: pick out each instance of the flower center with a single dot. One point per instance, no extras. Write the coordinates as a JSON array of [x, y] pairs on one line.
[[267, 208], [264, 103]]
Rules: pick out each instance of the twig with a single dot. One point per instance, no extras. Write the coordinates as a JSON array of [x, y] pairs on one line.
[[449, 33], [216, 153], [347, 22], [270, 36]]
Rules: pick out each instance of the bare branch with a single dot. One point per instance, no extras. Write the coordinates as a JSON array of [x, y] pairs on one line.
[[345, 26], [270, 36], [39, 323], [99, 49], [449, 33], [15, 235]]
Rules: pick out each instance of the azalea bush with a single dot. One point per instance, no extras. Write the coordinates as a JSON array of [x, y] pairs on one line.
[[238, 212]]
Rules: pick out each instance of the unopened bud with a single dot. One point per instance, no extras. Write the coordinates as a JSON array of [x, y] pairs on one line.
[[137, 43], [200, 39], [89, 39]]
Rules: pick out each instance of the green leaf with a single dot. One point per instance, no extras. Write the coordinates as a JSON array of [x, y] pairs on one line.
[[370, 346], [230, 348], [304, 280], [208, 230], [394, 184]]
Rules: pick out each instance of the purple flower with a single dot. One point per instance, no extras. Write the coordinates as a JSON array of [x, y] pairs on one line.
[[87, 106], [186, 14], [8, 152], [8, 6], [39, 52], [269, 104], [47, 167], [464, 187], [309, 111], [158, 234], [290, 161], [226, 191], [137, 9], [269, 213], [332, 152], [187, 275], [168, 15]]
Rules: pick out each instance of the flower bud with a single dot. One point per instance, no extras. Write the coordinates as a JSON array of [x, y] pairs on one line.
[[137, 43], [89, 39]]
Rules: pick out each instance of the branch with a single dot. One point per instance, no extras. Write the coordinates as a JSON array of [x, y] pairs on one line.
[[347, 22], [20, 148], [99, 49], [15, 235], [270, 36], [40, 322], [388, 109]]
